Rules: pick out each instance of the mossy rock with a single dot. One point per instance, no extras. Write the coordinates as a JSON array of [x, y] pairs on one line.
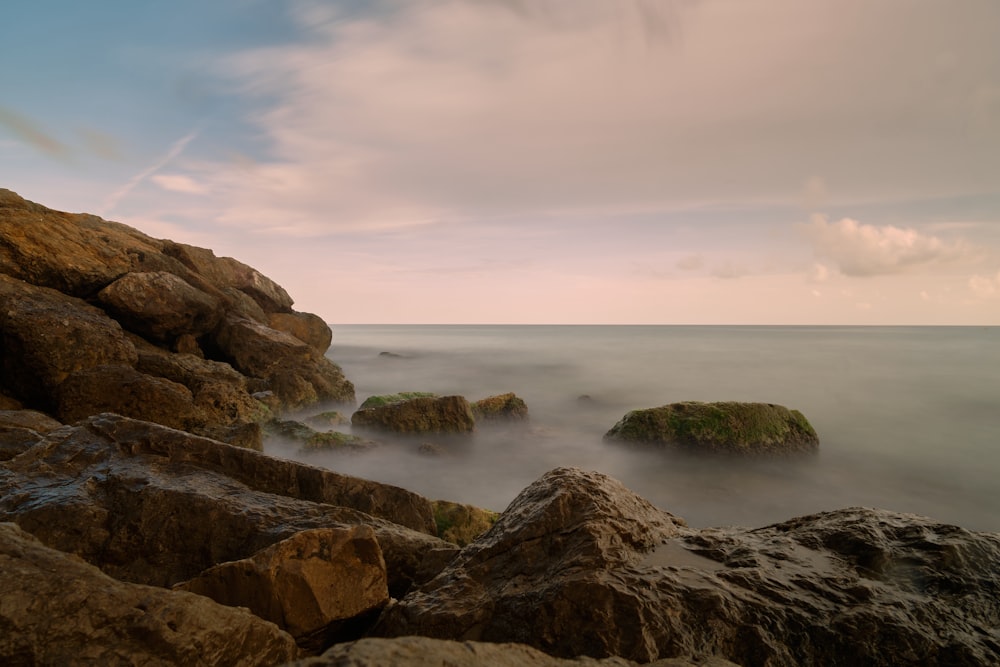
[[461, 524], [742, 429], [418, 415], [387, 399], [289, 429], [328, 419], [502, 407], [333, 441]]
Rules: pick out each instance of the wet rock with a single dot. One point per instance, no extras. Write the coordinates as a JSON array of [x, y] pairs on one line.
[[21, 429], [160, 306], [154, 505], [312, 584], [503, 407], [578, 564], [730, 428], [426, 652], [424, 414], [312, 440], [461, 524], [36, 421], [45, 336], [58, 610], [308, 328], [328, 419]]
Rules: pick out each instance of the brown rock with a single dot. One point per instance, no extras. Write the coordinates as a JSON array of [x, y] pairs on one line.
[[502, 407], [36, 421], [306, 327], [461, 524], [45, 336], [160, 306], [58, 610], [21, 430], [578, 564], [154, 505], [424, 414], [309, 584]]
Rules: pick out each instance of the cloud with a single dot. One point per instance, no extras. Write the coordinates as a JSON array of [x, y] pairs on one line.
[[30, 133], [175, 149], [985, 287], [691, 263], [179, 183], [866, 250]]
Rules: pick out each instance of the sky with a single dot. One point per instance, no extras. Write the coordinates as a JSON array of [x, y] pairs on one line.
[[534, 161]]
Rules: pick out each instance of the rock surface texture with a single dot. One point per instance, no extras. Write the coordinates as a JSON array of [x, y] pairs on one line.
[[729, 428], [423, 414], [502, 407], [57, 610], [578, 564]]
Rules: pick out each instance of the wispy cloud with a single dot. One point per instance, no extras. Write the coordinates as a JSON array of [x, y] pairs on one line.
[[179, 183], [32, 134], [985, 286], [175, 150]]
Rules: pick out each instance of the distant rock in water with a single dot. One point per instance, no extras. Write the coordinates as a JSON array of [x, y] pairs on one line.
[[503, 407], [416, 413], [742, 429]]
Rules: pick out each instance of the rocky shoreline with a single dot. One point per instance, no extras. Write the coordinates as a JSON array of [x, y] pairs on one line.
[[141, 522]]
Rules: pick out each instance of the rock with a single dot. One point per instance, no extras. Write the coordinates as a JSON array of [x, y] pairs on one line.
[[461, 524], [578, 564], [21, 429], [426, 414], [160, 306], [328, 419], [154, 505], [743, 429], [308, 328], [380, 400], [36, 421], [310, 584], [426, 652], [45, 336], [9, 402], [315, 441], [57, 610], [503, 407]]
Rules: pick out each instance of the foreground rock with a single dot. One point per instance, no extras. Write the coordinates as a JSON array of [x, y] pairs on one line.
[[311, 584], [578, 564], [425, 652], [742, 429], [153, 505], [58, 610], [461, 524], [420, 414]]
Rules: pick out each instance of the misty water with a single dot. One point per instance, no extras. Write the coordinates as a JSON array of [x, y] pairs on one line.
[[908, 417]]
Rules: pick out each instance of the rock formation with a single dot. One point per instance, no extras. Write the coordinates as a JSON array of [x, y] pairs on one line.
[[420, 414], [502, 407], [741, 429]]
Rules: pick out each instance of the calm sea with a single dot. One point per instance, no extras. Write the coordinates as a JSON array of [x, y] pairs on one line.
[[908, 417]]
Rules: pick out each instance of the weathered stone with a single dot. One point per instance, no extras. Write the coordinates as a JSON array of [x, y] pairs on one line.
[[36, 421], [461, 524], [578, 564], [309, 584], [445, 414], [160, 306], [311, 440], [154, 505], [9, 402], [380, 400], [58, 610], [328, 419], [45, 336], [306, 327], [427, 652], [503, 407], [21, 429], [743, 429]]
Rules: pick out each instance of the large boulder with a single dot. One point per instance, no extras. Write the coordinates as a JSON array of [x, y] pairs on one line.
[[160, 306], [578, 564], [306, 327], [730, 428], [21, 429], [502, 407], [58, 610], [423, 414], [427, 652], [154, 505], [311, 584], [45, 336]]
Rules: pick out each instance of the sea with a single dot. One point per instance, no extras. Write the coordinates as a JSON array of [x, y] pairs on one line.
[[908, 417]]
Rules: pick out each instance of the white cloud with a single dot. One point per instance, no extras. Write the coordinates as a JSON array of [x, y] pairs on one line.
[[179, 183], [985, 287], [867, 250], [172, 153]]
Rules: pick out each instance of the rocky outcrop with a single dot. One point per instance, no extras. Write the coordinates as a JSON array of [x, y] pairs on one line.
[[311, 440], [729, 428], [461, 524], [21, 429], [311, 584], [78, 292], [153, 505], [578, 564], [425, 652], [58, 610], [423, 414], [502, 407]]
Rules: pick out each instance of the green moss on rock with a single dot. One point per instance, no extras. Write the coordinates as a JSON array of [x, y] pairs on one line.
[[387, 399], [461, 524], [745, 429], [335, 441], [420, 414], [503, 407]]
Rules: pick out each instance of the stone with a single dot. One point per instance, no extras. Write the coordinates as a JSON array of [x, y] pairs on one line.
[[160, 306], [577, 564], [312, 440], [45, 336], [154, 505], [328, 419], [461, 524], [425, 414], [57, 610], [21, 429], [36, 421], [310, 584], [728, 428], [427, 652], [308, 328], [502, 407]]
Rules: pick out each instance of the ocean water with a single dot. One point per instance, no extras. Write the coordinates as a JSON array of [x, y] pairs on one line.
[[908, 417]]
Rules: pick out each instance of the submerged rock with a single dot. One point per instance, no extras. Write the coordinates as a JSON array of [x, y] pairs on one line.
[[420, 414], [58, 610], [502, 407], [743, 429], [580, 565]]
